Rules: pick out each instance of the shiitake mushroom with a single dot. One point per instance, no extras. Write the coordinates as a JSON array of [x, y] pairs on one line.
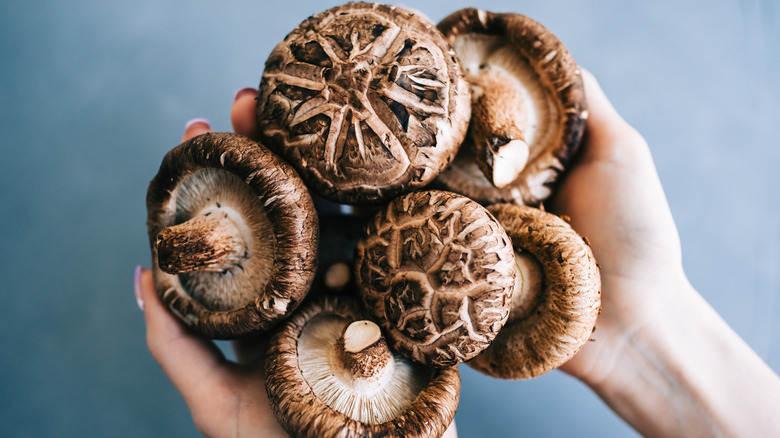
[[234, 235]]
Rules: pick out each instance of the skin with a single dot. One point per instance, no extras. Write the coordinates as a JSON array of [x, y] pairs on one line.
[[661, 357]]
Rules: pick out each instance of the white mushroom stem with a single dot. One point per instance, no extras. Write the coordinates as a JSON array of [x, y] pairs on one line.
[[529, 283], [498, 124], [365, 353], [208, 242]]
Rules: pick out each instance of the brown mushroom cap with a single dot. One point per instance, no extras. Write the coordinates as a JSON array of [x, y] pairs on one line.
[[554, 312], [543, 86], [234, 235], [436, 271], [365, 100], [309, 361]]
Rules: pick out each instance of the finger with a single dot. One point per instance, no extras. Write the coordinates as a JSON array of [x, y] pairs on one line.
[[195, 127], [242, 113], [190, 362], [608, 137], [601, 112]]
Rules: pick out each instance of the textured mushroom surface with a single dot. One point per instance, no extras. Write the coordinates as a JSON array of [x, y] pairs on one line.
[[529, 107], [436, 271], [233, 233], [365, 100], [316, 391], [557, 299]]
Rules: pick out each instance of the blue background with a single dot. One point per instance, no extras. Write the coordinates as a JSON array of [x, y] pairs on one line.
[[93, 93]]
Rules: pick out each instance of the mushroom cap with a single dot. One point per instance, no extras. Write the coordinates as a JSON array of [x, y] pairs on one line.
[[302, 412], [229, 174], [436, 271], [562, 317], [365, 100], [511, 43]]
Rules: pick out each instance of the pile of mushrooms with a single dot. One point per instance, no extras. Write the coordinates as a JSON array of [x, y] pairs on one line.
[[427, 150]]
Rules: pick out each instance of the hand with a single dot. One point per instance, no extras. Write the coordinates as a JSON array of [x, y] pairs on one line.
[[661, 357], [615, 199]]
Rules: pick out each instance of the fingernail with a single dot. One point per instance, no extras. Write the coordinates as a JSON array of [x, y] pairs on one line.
[[245, 91], [195, 122], [138, 298]]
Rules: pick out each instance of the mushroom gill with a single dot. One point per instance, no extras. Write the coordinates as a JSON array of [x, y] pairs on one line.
[[373, 394], [329, 372], [218, 194], [513, 113], [528, 108]]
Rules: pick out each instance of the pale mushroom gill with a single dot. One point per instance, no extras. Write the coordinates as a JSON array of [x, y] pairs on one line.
[[367, 402], [216, 191]]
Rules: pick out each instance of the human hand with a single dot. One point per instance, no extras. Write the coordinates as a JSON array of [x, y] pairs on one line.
[[614, 198]]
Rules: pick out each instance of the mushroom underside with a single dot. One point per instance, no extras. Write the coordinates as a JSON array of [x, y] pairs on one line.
[[554, 318], [216, 192], [528, 108], [371, 401], [316, 390], [234, 235]]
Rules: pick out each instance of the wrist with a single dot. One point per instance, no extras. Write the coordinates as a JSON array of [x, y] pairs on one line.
[[685, 372]]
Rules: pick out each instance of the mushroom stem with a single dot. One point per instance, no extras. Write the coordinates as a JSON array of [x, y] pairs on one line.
[[209, 242], [497, 117], [337, 276], [528, 286], [364, 351]]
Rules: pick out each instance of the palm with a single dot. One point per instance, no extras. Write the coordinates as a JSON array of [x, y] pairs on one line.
[[615, 200]]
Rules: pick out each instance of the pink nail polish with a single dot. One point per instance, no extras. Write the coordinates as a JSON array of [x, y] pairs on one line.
[[196, 121], [138, 298], [245, 91]]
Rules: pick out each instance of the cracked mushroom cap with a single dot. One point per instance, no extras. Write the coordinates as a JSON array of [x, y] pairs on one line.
[[329, 372], [233, 233], [528, 107], [557, 296], [365, 100], [436, 271]]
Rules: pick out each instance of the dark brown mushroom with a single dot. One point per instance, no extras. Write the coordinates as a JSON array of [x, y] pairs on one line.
[[556, 301], [329, 372], [365, 100], [528, 107], [437, 272], [234, 235]]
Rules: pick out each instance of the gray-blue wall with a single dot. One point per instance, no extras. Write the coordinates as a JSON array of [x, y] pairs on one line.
[[93, 93]]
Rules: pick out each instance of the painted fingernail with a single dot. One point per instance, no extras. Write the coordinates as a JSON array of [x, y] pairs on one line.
[[245, 91], [138, 298], [195, 122]]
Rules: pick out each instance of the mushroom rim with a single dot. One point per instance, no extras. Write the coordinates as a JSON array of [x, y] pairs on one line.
[[560, 75], [517, 331], [439, 398], [292, 217]]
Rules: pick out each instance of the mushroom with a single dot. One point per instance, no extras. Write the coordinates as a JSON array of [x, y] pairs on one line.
[[437, 271], [528, 107], [367, 101], [329, 372], [557, 296], [234, 235]]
